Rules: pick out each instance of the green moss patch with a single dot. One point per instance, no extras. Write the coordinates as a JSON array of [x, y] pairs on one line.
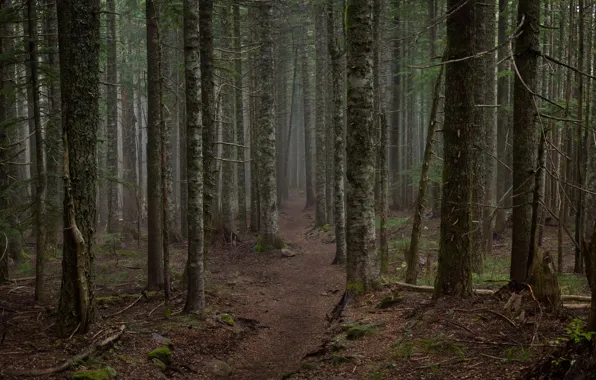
[[163, 354]]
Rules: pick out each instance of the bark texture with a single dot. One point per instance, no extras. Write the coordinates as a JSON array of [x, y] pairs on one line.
[[228, 136], [320, 169], [339, 141], [240, 150], [269, 228], [308, 128], [112, 118], [154, 229], [454, 275], [208, 117], [362, 268], [195, 296], [78, 30]]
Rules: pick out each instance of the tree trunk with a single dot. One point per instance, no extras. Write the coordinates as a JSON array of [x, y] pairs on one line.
[[362, 270], [195, 296], [490, 128], [53, 131], [112, 118], [396, 162], [6, 77], [255, 209], [308, 129], [30, 111], [228, 136], [155, 278], [78, 31], [129, 132], [580, 147], [503, 126], [339, 144], [320, 170], [454, 274], [241, 149], [524, 134], [269, 229], [41, 184], [208, 118]]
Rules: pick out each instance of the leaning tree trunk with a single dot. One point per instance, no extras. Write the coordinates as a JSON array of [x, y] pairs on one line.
[[79, 39], [524, 134], [412, 257], [362, 270], [454, 274], [269, 228], [195, 296], [339, 146]]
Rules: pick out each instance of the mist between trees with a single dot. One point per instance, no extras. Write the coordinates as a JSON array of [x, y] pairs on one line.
[[158, 123]]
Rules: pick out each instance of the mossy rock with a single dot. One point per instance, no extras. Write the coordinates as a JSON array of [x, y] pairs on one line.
[[358, 330], [163, 354], [227, 319], [105, 373], [389, 301]]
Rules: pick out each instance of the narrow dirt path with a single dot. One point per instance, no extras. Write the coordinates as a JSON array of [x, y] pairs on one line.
[[293, 303]]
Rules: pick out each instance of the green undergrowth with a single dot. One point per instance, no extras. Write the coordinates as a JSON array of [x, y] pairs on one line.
[[439, 345], [393, 222], [260, 247]]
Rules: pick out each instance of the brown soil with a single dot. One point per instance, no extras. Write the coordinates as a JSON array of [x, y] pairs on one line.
[[279, 307], [278, 304]]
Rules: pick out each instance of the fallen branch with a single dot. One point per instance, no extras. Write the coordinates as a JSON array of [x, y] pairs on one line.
[[126, 308], [89, 351], [430, 289]]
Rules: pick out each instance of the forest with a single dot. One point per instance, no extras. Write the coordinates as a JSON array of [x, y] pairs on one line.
[[297, 189]]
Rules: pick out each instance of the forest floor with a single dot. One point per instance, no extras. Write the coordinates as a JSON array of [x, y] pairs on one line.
[[266, 316]]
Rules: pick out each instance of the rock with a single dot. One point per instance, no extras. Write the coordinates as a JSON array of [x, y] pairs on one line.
[[105, 373], [163, 354], [220, 368], [161, 339], [287, 253]]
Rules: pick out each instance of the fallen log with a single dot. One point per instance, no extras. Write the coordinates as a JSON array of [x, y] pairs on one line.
[[430, 289], [89, 351]]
